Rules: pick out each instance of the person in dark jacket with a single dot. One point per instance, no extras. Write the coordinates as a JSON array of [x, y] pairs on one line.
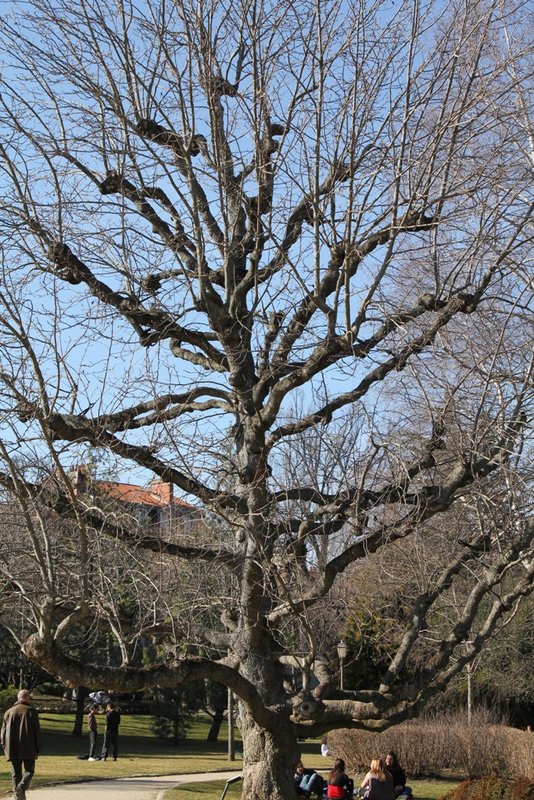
[[21, 739], [111, 732], [398, 775], [307, 782]]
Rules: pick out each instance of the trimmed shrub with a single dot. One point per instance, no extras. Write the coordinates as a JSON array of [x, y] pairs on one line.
[[492, 788], [428, 748]]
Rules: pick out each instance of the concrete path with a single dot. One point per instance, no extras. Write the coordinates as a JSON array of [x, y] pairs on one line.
[[138, 788]]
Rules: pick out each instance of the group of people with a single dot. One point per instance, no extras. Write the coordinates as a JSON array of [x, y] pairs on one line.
[[111, 732], [20, 736], [386, 780]]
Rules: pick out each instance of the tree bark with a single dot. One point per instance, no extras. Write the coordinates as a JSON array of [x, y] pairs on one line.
[[215, 727], [81, 696], [269, 759], [258, 251]]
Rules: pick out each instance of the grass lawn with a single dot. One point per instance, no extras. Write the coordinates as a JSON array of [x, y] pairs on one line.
[[423, 790], [140, 752]]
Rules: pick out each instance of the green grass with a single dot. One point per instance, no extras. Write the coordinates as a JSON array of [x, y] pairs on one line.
[[204, 791], [140, 752], [423, 790]]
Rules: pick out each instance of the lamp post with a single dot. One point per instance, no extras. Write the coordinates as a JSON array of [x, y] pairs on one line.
[[341, 653]]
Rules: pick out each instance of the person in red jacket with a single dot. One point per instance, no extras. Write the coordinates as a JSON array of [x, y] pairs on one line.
[[21, 739], [339, 785]]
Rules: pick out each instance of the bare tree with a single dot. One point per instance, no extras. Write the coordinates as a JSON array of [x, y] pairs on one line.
[[279, 256]]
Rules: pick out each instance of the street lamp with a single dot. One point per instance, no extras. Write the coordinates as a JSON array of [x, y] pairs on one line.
[[341, 654]]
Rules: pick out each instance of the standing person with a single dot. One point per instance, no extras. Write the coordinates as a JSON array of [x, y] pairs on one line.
[[398, 775], [378, 783], [93, 731], [21, 739], [325, 750], [339, 785], [111, 732]]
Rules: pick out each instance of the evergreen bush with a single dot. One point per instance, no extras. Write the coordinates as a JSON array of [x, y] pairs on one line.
[[7, 698], [52, 688]]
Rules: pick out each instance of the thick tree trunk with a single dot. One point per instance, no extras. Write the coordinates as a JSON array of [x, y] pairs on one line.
[[269, 760], [80, 703]]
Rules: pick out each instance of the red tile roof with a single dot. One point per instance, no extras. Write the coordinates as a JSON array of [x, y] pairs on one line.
[[157, 495]]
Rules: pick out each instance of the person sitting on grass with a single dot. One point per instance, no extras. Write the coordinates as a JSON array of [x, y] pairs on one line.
[[378, 783], [398, 775], [307, 782], [339, 785]]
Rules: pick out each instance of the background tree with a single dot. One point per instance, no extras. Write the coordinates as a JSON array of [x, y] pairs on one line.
[[235, 237], [215, 705], [496, 681], [16, 669], [173, 711]]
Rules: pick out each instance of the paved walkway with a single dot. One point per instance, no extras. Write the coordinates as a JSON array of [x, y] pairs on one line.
[[148, 787]]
